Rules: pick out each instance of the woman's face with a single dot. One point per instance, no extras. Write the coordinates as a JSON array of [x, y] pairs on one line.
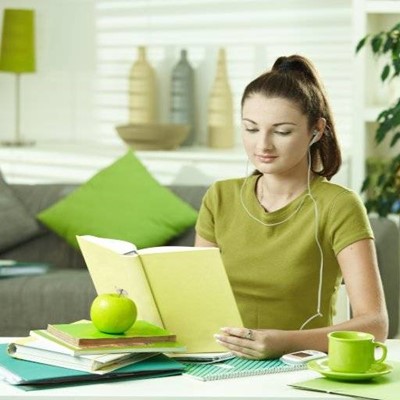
[[275, 135]]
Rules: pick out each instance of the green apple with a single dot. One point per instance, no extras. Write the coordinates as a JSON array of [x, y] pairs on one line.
[[113, 312]]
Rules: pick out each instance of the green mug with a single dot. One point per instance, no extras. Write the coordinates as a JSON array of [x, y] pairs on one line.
[[353, 352]]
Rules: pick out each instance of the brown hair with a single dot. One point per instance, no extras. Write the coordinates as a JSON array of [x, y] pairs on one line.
[[295, 78]]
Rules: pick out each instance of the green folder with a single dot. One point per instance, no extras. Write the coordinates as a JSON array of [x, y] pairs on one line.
[[386, 387], [20, 372], [84, 333]]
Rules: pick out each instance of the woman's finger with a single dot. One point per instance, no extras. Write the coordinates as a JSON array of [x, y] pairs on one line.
[[234, 345], [244, 333]]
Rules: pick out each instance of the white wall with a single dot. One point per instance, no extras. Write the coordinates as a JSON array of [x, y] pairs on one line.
[[57, 100], [86, 47], [253, 32]]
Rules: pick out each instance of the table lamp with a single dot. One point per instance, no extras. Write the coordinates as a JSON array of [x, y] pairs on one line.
[[17, 55]]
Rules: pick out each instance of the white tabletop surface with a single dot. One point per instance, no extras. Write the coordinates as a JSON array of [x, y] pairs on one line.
[[271, 386]]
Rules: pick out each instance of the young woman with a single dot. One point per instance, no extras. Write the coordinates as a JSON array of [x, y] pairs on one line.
[[288, 235]]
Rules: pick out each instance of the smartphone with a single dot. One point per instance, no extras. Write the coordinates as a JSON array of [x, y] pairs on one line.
[[302, 357]]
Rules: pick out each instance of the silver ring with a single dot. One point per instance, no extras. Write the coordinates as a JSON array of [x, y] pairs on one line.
[[249, 335]]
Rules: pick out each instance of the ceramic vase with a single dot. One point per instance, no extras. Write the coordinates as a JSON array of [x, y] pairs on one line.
[[142, 90], [182, 96], [220, 108]]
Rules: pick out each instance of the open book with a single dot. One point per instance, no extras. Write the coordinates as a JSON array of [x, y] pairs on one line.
[[182, 289]]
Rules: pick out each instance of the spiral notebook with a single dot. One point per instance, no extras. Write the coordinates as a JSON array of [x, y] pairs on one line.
[[236, 368]]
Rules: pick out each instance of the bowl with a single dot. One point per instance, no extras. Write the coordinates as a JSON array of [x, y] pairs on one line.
[[153, 136]]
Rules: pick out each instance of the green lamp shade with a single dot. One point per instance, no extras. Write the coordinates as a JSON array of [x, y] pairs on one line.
[[18, 41]]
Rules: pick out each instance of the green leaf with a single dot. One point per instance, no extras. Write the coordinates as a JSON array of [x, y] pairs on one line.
[[396, 50], [382, 115], [381, 179], [385, 72], [388, 120], [370, 206], [376, 43], [383, 130], [388, 43], [383, 207], [365, 184], [396, 161], [395, 121], [361, 43], [396, 65], [395, 139]]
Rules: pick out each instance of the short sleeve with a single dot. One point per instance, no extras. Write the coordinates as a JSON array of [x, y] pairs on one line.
[[348, 221]]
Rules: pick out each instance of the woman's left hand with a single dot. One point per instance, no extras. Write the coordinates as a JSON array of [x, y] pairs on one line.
[[255, 344]]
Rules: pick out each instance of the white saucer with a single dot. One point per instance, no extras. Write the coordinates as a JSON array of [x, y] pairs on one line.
[[322, 367]]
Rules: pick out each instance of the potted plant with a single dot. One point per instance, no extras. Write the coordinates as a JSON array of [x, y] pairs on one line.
[[382, 182]]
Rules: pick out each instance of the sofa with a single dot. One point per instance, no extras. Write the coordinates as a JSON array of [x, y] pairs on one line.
[[64, 294]]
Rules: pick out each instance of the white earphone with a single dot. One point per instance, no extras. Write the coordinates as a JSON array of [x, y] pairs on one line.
[[315, 138]]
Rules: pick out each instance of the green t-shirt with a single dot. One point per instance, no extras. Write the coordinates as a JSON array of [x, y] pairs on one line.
[[274, 270]]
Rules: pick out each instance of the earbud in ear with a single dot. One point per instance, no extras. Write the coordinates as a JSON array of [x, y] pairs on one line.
[[315, 138]]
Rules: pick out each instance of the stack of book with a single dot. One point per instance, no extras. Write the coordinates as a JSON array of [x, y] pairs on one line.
[[80, 346]]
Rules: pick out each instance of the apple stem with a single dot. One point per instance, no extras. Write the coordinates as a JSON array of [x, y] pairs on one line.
[[121, 292]]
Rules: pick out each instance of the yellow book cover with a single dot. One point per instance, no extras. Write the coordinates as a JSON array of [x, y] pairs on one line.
[[182, 289]]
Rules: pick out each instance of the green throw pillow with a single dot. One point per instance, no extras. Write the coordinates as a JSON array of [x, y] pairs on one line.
[[122, 201]]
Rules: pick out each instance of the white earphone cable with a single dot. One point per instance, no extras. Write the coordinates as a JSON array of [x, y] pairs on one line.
[[316, 214], [258, 220], [321, 266]]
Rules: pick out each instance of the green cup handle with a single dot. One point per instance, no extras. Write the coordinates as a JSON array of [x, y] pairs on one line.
[[384, 351]]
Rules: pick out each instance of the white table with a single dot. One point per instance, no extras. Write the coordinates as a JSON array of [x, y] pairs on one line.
[[273, 386]]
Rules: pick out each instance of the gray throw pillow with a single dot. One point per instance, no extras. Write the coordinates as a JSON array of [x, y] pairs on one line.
[[16, 224]]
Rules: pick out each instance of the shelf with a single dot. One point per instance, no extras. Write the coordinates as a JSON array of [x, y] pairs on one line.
[[77, 153], [382, 6], [371, 95], [371, 113], [75, 163]]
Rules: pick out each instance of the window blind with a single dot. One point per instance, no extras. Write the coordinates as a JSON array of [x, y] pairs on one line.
[[254, 34]]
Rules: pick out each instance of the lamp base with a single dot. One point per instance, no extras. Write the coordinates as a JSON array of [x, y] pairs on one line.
[[16, 143]]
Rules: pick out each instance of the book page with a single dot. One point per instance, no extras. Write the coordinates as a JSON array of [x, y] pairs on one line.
[[193, 295], [111, 271], [116, 245], [169, 249]]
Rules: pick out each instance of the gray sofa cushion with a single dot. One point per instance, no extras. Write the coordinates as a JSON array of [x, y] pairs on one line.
[[387, 241], [33, 302], [47, 247], [16, 223]]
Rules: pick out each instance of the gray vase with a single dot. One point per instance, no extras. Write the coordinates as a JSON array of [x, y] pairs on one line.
[[182, 96]]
